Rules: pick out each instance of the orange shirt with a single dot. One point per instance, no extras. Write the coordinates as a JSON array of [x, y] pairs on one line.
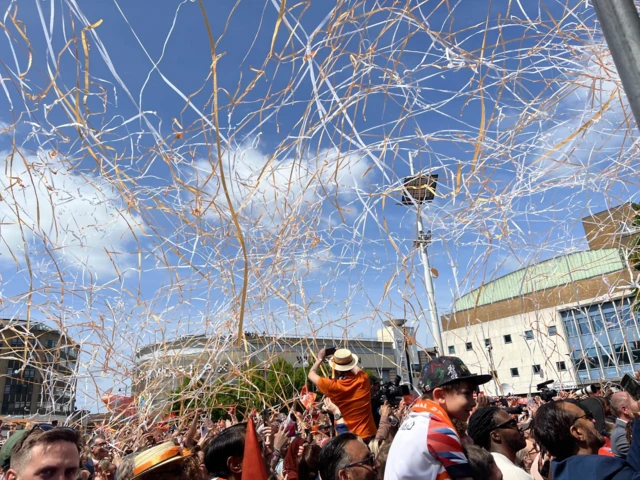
[[352, 395]]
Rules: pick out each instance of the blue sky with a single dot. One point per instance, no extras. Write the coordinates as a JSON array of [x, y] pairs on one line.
[[131, 240]]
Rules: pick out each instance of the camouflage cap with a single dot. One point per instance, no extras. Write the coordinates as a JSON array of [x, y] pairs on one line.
[[444, 370]]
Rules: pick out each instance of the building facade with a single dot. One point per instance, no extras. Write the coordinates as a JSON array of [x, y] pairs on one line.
[[568, 319], [161, 368], [37, 370]]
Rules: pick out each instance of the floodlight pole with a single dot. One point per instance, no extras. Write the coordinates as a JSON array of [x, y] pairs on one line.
[[423, 241], [493, 369], [621, 27]]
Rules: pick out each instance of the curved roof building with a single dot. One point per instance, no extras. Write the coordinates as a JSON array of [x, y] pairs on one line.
[[567, 319]]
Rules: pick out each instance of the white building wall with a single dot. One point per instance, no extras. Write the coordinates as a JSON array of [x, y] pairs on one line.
[[544, 350]]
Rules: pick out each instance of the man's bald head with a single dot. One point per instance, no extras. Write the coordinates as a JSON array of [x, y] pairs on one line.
[[623, 405]]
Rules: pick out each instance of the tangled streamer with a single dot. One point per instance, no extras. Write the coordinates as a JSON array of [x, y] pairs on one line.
[[217, 170]]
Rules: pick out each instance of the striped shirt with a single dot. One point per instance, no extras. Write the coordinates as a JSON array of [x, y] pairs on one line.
[[426, 447]]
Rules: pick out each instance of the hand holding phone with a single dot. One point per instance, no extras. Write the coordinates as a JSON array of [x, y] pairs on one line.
[[329, 351]]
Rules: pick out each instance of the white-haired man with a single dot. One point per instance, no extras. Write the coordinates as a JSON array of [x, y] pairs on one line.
[[625, 408]]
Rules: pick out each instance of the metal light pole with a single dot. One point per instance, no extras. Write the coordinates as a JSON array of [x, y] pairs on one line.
[[407, 356], [621, 27], [493, 368], [422, 189]]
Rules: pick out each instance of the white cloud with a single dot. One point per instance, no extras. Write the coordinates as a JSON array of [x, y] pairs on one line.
[[271, 192], [580, 132], [79, 218]]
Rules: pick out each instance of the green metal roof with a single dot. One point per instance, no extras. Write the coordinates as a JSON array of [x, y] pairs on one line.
[[547, 274]]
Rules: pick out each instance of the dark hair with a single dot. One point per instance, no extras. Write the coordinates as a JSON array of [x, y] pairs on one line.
[[97, 437], [334, 457], [449, 387], [21, 453], [309, 465], [552, 430], [480, 425], [229, 443], [480, 461]]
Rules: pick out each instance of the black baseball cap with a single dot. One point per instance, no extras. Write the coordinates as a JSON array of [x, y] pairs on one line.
[[444, 370]]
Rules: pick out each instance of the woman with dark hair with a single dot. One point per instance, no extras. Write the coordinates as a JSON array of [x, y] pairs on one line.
[[309, 465], [290, 465]]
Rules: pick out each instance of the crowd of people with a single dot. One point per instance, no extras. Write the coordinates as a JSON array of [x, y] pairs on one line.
[[450, 431]]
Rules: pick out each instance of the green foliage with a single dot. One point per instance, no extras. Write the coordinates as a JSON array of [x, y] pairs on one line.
[[251, 388], [373, 377]]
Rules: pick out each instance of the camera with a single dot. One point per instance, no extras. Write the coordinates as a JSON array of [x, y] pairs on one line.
[[391, 392], [546, 394], [588, 390]]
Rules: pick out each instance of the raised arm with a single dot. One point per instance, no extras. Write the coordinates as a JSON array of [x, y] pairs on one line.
[[313, 373]]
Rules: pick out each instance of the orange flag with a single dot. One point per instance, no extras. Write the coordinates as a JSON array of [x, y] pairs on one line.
[[253, 467]]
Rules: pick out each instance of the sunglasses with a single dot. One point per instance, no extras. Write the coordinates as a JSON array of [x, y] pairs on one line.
[[369, 461], [586, 416], [512, 423]]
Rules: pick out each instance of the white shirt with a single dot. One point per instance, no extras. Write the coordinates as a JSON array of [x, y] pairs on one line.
[[508, 469], [426, 447]]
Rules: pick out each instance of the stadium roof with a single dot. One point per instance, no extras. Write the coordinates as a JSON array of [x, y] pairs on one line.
[[546, 274]]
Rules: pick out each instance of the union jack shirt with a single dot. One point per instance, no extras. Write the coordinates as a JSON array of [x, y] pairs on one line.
[[427, 447]]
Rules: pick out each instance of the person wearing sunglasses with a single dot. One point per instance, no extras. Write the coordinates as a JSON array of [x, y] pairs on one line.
[[347, 457], [570, 435], [493, 429]]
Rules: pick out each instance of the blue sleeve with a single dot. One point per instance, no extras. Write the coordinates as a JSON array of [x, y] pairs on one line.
[[341, 428], [633, 455]]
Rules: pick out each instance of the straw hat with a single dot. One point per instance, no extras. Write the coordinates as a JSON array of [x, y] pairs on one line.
[[343, 360], [156, 457]]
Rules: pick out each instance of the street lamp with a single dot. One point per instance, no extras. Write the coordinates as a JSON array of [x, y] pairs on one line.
[[417, 190], [398, 329], [489, 348]]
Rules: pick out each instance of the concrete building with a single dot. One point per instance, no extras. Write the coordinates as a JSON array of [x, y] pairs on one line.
[[37, 370], [567, 319], [161, 368]]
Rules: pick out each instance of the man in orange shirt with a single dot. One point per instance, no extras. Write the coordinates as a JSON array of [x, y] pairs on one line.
[[351, 391]]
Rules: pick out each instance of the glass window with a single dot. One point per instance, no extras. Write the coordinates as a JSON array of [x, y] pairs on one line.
[[596, 319], [622, 354], [607, 357], [610, 316], [561, 366], [452, 350], [469, 346], [537, 370], [592, 357], [514, 372], [567, 318], [487, 342], [553, 330], [583, 322], [507, 339], [624, 311], [528, 335]]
